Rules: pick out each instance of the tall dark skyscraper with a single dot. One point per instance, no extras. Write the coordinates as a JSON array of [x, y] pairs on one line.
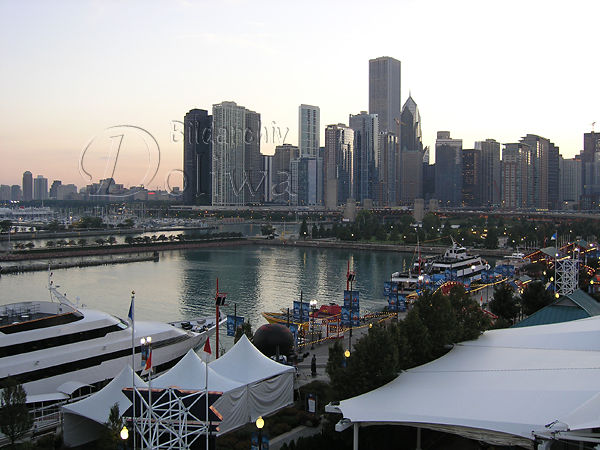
[[197, 157], [448, 169], [253, 163], [384, 91], [491, 172], [590, 159], [472, 186], [281, 175], [27, 186], [366, 155]]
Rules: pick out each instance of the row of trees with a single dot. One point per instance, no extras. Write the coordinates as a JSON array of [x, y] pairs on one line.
[[433, 324]]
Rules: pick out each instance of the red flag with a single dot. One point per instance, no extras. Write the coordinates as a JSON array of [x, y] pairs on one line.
[[481, 300], [207, 346]]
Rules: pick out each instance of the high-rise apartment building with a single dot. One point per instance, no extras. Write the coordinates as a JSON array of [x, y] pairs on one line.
[[384, 92], [309, 129], [54, 188], [448, 169], [366, 155], [570, 181], [589, 157], [516, 174], [471, 184], [27, 186], [197, 157], [4, 192], [543, 172], [281, 175], [16, 194], [338, 165], [235, 134], [491, 172], [40, 188]]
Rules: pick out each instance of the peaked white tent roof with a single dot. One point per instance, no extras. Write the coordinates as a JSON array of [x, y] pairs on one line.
[[504, 388], [83, 419], [246, 364], [190, 373]]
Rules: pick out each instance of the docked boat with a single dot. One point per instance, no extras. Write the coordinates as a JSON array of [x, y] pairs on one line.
[[456, 263], [45, 345]]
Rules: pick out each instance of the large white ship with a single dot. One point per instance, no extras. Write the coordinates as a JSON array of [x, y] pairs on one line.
[[47, 344], [457, 263]]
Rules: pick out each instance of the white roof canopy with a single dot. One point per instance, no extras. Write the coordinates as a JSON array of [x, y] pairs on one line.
[[503, 388]]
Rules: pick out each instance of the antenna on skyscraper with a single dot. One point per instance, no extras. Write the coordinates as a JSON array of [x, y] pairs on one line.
[[593, 124]]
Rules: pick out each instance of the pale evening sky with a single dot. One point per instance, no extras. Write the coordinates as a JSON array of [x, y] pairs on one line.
[[480, 69]]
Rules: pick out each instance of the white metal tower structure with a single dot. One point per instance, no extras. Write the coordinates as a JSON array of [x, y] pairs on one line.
[[567, 273], [173, 419]]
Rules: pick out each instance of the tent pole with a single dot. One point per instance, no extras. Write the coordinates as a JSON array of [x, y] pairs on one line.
[[355, 438], [418, 439]]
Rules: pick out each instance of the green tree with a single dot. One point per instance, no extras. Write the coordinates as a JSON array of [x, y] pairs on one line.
[[322, 231], [99, 241], [246, 329], [89, 222], [15, 420], [50, 244], [315, 231], [415, 334], [82, 242], [535, 297], [267, 229], [470, 319], [437, 314], [112, 240], [395, 234], [110, 438], [491, 239], [30, 245], [5, 225], [504, 304], [303, 229], [129, 240]]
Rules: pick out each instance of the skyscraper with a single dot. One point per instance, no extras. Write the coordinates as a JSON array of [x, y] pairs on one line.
[[281, 175], [570, 181], [338, 165], [253, 163], [384, 92], [40, 188], [309, 129], [472, 186], [543, 172], [197, 160], [366, 155], [388, 177], [589, 156], [235, 133], [448, 169], [27, 186], [491, 172], [16, 193], [515, 175], [411, 153]]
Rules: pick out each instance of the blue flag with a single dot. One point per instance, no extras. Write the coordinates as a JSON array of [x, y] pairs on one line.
[[553, 238], [130, 315]]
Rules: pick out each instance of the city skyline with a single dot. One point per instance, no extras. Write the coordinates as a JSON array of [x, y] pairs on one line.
[[85, 79]]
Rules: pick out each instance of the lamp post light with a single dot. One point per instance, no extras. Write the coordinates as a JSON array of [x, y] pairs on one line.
[[260, 423], [124, 434], [313, 308], [346, 356]]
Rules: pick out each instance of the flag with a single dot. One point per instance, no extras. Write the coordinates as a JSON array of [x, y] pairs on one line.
[[130, 314], [553, 238], [207, 346], [148, 366], [481, 300]]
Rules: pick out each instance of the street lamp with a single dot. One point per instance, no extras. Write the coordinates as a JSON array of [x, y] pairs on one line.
[[124, 433], [260, 423], [346, 356], [313, 307]]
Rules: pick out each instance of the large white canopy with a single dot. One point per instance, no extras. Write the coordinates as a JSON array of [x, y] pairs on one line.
[[83, 420], [505, 387]]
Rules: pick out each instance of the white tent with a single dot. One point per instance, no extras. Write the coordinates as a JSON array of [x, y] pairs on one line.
[[269, 384], [506, 388], [84, 420], [252, 385], [190, 374]]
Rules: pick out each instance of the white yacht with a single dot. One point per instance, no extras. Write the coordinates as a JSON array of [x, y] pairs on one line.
[[458, 262], [45, 345]]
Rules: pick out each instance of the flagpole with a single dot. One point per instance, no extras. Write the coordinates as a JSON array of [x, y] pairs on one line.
[[132, 315], [206, 390]]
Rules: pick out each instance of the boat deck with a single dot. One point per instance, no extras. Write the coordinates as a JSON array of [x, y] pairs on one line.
[[21, 313]]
